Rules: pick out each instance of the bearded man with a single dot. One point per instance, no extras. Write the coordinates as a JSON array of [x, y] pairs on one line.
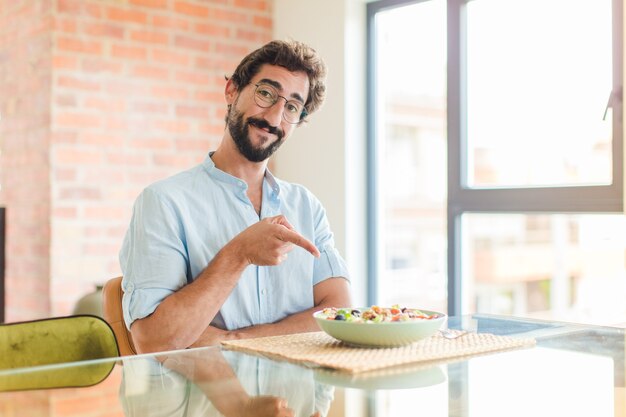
[[226, 250]]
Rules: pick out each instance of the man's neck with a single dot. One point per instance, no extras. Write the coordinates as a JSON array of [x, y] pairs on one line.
[[230, 160]]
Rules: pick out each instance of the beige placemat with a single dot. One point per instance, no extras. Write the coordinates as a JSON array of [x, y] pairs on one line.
[[320, 349]]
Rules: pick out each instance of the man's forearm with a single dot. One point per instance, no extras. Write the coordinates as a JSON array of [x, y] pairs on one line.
[[333, 293], [182, 317]]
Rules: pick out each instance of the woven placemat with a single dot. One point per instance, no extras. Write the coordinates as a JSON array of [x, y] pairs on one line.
[[320, 349]]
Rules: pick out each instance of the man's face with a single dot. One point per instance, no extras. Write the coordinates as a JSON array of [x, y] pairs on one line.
[[259, 131]]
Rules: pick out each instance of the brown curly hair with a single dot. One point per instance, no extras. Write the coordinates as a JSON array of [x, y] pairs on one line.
[[293, 56]]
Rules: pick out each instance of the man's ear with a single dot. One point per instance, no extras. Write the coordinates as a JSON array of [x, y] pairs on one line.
[[230, 91]]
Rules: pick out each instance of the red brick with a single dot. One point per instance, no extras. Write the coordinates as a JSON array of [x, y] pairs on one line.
[[126, 15], [101, 139], [194, 145], [172, 126], [78, 120], [102, 212], [78, 84], [216, 64], [79, 8], [262, 22], [209, 96], [106, 175], [231, 49], [167, 56], [67, 25], [174, 160], [64, 62], [65, 100], [152, 144], [77, 157], [104, 29], [97, 65], [149, 71], [63, 137], [168, 22], [192, 111], [149, 36], [69, 6], [252, 36], [151, 107], [113, 123], [79, 45], [127, 159], [157, 4], [193, 78], [79, 193], [105, 104], [212, 129], [169, 92], [131, 52], [195, 43], [65, 174], [228, 15], [212, 30], [65, 212], [191, 9], [262, 5]]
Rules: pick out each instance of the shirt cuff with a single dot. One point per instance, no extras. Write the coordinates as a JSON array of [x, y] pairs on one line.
[[140, 303], [329, 264]]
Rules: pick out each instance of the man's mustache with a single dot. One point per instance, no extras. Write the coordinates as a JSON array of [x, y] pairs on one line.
[[262, 124]]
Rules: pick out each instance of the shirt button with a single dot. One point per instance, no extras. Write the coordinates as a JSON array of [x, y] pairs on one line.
[[263, 291]]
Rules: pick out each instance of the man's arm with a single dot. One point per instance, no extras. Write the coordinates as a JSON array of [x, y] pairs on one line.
[[180, 320], [332, 292]]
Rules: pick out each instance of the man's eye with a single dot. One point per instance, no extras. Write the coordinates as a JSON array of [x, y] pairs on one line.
[[266, 94], [292, 108]]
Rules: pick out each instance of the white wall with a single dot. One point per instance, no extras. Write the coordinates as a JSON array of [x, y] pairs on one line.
[[328, 154]]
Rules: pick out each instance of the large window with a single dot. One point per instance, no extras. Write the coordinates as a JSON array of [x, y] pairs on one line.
[[496, 157]]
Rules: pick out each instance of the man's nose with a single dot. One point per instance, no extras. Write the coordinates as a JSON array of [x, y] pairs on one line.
[[274, 113]]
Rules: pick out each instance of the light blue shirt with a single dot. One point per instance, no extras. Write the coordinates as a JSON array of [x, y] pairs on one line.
[[180, 223]]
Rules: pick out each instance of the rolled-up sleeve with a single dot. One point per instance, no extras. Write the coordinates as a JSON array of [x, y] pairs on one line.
[[330, 263], [153, 257]]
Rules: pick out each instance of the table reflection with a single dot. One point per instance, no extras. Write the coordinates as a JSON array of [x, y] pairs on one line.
[[220, 383]]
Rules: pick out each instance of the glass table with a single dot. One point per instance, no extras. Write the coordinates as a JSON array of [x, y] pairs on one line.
[[574, 370]]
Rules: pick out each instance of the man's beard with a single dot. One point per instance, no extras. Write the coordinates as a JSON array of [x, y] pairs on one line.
[[240, 133]]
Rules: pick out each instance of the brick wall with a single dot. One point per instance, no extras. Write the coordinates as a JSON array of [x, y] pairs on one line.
[[128, 92], [25, 85]]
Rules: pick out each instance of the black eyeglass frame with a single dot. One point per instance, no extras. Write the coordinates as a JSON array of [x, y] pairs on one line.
[[265, 105]]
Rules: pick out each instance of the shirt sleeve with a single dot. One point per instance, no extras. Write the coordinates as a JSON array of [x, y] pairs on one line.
[[153, 257], [330, 263]]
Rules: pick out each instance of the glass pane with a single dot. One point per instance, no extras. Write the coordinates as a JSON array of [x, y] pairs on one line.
[[411, 142], [539, 78], [556, 266]]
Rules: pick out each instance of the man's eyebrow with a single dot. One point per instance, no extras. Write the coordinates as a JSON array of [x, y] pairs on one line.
[[278, 86]]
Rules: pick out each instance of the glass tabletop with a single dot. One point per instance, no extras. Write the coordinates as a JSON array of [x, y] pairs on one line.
[[574, 370]]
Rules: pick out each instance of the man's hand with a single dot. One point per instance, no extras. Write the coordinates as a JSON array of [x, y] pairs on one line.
[[269, 241], [266, 406]]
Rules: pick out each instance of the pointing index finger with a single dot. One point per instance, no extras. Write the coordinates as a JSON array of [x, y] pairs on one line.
[[297, 239]]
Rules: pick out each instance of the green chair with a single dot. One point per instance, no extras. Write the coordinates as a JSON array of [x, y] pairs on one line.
[[28, 348]]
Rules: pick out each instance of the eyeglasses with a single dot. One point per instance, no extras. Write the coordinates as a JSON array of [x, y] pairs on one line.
[[266, 96]]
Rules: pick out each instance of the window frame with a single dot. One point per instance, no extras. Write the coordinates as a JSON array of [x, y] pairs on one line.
[[462, 199]]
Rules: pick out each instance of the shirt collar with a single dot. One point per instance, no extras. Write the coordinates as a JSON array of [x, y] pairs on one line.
[[220, 175]]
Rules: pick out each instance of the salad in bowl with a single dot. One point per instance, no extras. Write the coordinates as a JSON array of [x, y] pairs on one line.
[[377, 326]]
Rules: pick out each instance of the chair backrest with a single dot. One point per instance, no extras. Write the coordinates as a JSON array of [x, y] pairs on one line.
[[54, 341], [112, 310]]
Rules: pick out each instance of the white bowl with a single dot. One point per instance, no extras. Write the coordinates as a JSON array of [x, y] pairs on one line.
[[383, 334]]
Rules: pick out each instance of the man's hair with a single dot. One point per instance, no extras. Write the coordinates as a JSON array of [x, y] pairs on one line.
[[293, 56]]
